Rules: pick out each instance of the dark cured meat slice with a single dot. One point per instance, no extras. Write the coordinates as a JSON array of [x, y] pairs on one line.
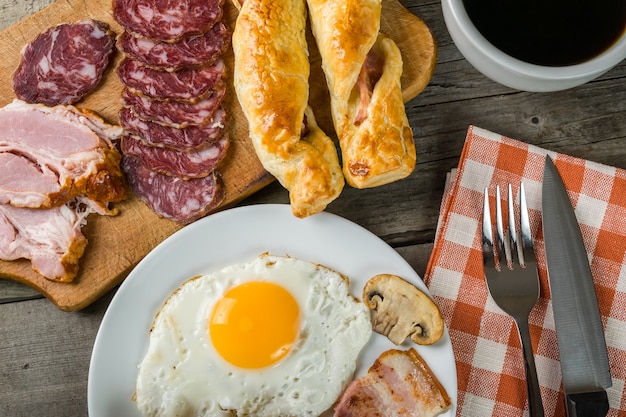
[[174, 113], [186, 139], [186, 84], [176, 163], [192, 51], [64, 63], [174, 198], [167, 20]]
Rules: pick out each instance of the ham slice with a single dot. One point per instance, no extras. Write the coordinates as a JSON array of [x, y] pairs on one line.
[[49, 155], [399, 383], [50, 238]]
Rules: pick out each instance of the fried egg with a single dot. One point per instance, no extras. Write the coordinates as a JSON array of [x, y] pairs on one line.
[[276, 336]]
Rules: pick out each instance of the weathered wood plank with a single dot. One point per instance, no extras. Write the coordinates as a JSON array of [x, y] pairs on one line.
[[14, 11], [11, 291], [45, 355]]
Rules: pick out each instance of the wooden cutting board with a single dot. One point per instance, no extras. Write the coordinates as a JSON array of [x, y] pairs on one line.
[[117, 244]]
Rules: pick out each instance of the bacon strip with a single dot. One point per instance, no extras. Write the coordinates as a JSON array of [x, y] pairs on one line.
[[399, 383]]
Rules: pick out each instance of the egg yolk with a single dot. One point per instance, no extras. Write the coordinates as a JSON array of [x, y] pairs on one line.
[[255, 324]]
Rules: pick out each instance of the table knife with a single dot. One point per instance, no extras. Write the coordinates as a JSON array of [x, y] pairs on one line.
[[582, 347]]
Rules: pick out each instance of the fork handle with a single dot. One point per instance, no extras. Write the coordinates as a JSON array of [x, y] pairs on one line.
[[535, 405]]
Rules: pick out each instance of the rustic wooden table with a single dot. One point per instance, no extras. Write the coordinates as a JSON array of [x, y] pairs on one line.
[[45, 352]]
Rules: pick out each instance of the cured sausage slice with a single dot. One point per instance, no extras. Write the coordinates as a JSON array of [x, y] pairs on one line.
[[185, 84], [167, 20], [174, 198], [191, 51], [174, 113], [64, 63], [173, 162], [186, 139]]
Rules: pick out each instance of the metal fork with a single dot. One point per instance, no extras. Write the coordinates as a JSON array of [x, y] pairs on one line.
[[514, 288]]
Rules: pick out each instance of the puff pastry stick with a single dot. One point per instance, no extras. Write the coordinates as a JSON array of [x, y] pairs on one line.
[[363, 69], [271, 74]]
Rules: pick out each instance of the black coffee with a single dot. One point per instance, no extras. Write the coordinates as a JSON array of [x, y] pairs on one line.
[[549, 32]]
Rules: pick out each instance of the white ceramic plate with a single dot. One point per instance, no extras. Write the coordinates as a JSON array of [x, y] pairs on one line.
[[231, 237]]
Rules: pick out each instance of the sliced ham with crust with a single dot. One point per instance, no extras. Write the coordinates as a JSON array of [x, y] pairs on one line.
[[49, 155], [399, 383], [50, 238]]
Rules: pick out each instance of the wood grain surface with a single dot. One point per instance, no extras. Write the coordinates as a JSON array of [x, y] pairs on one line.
[[117, 243]]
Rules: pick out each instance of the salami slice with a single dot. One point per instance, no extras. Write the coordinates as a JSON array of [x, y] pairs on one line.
[[186, 139], [174, 113], [174, 198], [191, 51], [167, 20], [185, 84], [176, 163], [64, 63]]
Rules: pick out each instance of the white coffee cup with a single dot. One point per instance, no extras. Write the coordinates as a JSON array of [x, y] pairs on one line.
[[515, 73]]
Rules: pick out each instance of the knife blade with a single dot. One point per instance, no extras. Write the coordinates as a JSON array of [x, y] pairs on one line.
[[582, 347]]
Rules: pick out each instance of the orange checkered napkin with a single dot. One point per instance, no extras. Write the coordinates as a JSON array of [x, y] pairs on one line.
[[491, 379]]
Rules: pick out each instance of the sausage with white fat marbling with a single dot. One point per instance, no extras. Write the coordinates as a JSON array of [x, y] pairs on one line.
[[191, 51], [64, 63], [168, 20], [190, 138], [174, 198]]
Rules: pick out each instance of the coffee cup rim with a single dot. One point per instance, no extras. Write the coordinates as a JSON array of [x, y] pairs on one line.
[[483, 49]]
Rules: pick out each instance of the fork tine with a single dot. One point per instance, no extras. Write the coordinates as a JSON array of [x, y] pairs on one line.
[[527, 239], [488, 255], [503, 249], [513, 235]]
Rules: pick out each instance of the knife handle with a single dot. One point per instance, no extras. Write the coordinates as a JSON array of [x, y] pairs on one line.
[[587, 404]]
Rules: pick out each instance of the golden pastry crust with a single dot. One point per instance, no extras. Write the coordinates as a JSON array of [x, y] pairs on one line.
[[271, 81], [375, 136], [345, 31]]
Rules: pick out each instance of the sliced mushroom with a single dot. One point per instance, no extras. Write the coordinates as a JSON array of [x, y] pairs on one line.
[[402, 310]]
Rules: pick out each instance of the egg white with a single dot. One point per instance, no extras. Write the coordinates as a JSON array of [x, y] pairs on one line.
[[183, 375]]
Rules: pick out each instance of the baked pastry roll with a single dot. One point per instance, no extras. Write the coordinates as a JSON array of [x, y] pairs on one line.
[[363, 69], [271, 72]]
